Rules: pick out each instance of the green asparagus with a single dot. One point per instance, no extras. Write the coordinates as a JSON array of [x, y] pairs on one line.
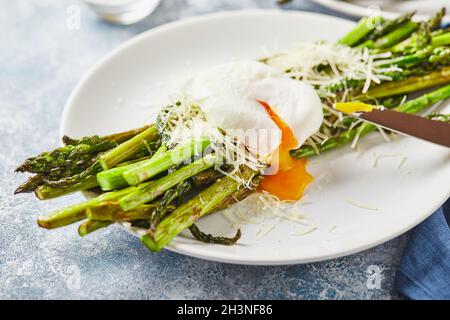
[[363, 28], [111, 211], [77, 212], [186, 215], [90, 226], [147, 193], [412, 106], [154, 166], [128, 148], [162, 207]]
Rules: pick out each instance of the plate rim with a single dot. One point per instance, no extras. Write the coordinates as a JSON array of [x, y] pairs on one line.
[[226, 257], [355, 10]]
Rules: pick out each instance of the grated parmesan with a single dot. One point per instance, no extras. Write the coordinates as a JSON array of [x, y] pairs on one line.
[[305, 231], [362, 206], [395, 155], [303, 61], [265, 208], [264, 231], [185, 121]]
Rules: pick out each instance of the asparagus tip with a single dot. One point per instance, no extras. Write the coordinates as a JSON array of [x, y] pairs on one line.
[[20, 189], [19, 169], [209, 238], [66, 139]]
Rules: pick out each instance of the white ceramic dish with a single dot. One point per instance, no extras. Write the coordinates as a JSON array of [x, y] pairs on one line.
[[387, 8], [124, 90]]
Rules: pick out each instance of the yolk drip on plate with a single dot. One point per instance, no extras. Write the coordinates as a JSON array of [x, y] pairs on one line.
[[291, 179]]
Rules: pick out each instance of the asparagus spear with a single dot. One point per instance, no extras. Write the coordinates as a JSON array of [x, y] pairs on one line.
[[154, 166], [424, 35], [77, 212], [113, 179], [411, 44], [45, 192], [433, 70], [76, 155], [186, 215], [435, 21], [87, 179], [170, 196], [362, 29], [410, 59], [388, 26], [412, 106], [177, 193], [413, 41], [147, 193], [207, 177], [407, 85], [128, 148], [426, 29], [209, 238], [117, 177], [441, 40], [72, 159], [115, 137], [30, 185], [90, 226], [111, 211], [396, 36]]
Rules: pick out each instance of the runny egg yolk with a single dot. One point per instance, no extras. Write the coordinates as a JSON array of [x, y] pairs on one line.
[[291, 179]]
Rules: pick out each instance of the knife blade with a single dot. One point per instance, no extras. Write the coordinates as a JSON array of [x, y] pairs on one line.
[[415, 126]]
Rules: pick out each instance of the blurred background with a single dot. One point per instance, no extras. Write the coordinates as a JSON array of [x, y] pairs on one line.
[[45, 47]]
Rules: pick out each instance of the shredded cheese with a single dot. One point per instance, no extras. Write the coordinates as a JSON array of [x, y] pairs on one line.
[[383, 134], [402, 162], [362, 206], [332, 229], [307, 61], [185, 121], [264, 231], [377, 159], [266, 209], [305, 231]]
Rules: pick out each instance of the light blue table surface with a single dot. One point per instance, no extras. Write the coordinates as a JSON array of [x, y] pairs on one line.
[[41, 60]]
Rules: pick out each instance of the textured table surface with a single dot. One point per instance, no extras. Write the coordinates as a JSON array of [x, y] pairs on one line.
[[41, 60]]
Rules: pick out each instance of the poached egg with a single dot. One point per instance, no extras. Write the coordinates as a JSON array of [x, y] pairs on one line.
[[264, 107]]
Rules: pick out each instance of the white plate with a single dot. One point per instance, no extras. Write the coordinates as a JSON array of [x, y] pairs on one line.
[[387, 8], [122, 91]]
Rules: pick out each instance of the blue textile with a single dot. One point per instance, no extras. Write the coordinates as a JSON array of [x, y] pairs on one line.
[[424, 271]]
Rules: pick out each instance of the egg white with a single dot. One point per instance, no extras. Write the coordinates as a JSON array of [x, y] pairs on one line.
[[228, 95]]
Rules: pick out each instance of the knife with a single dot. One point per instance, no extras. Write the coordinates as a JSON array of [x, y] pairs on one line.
[[415, 126]]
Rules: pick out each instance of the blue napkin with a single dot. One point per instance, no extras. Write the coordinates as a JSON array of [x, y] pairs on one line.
[[424, 271]]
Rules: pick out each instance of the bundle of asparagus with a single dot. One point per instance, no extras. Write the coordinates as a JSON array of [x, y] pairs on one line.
[[421, 50], [142, 179]]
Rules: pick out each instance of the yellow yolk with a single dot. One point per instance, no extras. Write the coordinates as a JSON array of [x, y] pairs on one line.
[[352, 107], [292, 178]]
